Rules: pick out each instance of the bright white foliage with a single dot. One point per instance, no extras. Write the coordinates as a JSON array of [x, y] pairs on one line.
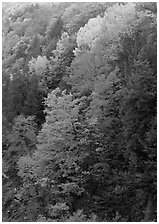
[[38, 65], [116, 19], [88, 34]]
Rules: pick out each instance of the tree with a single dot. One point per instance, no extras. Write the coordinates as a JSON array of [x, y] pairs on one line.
[[53, 33], [78, 14], [61, 59], [38, 65], [34, 102], [58, 157], [83, 72], [21, 142], [17, 92], [87, 35], [138, 117], [87, 66]]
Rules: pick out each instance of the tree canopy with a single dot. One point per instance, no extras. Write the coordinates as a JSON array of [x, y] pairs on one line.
[[79, 84]]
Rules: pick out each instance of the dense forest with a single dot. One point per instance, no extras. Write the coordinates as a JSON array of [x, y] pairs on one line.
[[79, 96]]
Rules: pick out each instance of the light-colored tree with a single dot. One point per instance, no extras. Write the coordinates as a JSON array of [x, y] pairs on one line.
[[87, 35], [38, 65]]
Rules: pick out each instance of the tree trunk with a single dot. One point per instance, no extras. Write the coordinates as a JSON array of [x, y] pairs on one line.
[[149, 209]]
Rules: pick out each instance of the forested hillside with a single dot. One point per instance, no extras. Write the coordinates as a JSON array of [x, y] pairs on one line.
[[79, 112]]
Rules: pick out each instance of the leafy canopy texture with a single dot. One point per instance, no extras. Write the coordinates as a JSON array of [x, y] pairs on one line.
[[79, 112]]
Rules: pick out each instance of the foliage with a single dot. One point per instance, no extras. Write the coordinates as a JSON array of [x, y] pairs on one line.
[[87, 35], [22, 142], [38, 65], [22, 139], [79, 112], [78, 14]]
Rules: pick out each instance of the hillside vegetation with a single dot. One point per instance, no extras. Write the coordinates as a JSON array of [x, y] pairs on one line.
[[79, 112]]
